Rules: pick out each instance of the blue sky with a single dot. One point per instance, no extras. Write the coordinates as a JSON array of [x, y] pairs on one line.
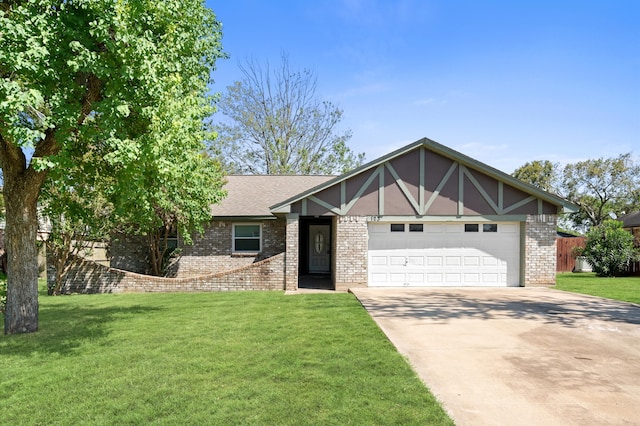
[[505, 82]]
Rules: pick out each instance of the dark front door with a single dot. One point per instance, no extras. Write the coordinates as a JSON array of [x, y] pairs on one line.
[[319, 249]]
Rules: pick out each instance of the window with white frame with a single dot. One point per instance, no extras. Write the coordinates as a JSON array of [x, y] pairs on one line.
[[247, 237]]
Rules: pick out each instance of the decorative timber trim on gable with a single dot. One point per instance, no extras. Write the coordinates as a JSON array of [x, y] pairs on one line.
[[424, 179]]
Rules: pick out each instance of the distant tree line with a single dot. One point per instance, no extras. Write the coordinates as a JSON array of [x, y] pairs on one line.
[[602, 188]]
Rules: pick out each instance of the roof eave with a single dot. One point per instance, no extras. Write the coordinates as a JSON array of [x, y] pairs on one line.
[[242, 218]]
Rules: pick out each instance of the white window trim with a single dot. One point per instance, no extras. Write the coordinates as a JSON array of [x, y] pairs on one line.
[[233, 237]]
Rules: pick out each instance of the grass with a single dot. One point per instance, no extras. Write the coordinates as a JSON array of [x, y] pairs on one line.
[[257, 358], [620, 288]]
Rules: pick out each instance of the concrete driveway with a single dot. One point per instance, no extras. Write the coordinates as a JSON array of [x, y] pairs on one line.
[[525, 356]]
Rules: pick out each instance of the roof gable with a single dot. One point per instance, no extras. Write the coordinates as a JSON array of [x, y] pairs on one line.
[[424, 178]]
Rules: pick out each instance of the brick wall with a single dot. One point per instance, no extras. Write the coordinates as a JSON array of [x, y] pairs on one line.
[[351, 240], [90, 277], [293, 251], [210, 252], [129, 253], [540, 250]]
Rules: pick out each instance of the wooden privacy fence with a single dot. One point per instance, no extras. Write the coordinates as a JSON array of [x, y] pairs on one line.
[[566, 261]]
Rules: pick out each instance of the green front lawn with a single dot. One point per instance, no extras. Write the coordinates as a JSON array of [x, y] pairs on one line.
[[208, 358], [619, 288]]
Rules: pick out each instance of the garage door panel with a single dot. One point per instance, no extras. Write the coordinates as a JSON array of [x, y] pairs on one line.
[[378, 260], [434, 229], [396, 244], [489, 261], [414, 243], [377, 228], [397, 260], [490, 278], [453, 260], [444, 254], [415, 261], [414, 278], [379, 278], [471, 260], [509, 228], [375, 244], [397, 277], [453, 277], [471, 278], [435, 278]]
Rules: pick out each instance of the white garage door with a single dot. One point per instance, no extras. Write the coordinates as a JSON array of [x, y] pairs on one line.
[[446, 254]]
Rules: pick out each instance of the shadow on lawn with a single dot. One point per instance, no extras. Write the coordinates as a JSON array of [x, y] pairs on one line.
[[62, 329], [446, 306]]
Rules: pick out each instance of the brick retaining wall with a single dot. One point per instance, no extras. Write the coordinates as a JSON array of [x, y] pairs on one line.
[[90, 277]]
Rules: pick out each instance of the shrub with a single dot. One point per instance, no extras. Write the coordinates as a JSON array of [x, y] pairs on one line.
[[609, 248]]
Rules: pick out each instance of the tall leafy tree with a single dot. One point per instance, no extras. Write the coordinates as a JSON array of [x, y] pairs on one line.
[[540, 173], [598, 186], [87, 74], [601, 186], [277, 125], [169, 187]]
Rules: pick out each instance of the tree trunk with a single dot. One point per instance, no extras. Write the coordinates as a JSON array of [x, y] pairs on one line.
[[154, 253], [21, 314], [61, 257], [21, 189]]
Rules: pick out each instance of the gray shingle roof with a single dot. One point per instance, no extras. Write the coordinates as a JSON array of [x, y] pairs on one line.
[[252, 195], [631, 220]]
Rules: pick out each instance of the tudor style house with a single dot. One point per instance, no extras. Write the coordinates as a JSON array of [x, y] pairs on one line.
[[423, 215]]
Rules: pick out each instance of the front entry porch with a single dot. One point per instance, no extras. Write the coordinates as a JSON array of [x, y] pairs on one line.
[[315, 253], [315, 282]]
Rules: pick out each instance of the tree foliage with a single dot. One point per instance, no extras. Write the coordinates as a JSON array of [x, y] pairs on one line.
[[602, 186], [89, 76], [165, 197], [609, 248], [540, 173], [598, 187], [277, 125], [73, 235]]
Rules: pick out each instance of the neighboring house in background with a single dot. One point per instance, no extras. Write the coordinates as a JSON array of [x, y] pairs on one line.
[[631, 222], [423, 215]]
